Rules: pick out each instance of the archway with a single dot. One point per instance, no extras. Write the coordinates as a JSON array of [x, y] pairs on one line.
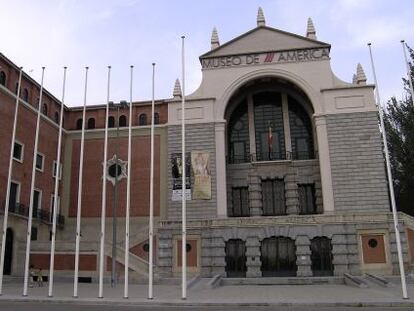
[[278, 257]]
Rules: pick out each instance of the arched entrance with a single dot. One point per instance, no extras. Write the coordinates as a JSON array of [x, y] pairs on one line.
[[236, 258], [8, 255], [278, 257]]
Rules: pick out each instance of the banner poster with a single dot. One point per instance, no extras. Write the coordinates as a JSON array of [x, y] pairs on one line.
[[200, 162], [177, 173]]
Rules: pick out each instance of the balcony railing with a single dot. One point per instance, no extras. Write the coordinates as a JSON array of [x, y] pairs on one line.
[[272, 156], [40, 214]]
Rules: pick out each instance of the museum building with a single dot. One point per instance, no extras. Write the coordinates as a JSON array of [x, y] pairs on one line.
[[286, 175]]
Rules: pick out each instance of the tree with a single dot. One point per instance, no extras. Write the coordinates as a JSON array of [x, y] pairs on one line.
[[399, 125]]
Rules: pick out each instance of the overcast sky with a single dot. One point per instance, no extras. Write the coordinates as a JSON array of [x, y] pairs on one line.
[[120, 33]]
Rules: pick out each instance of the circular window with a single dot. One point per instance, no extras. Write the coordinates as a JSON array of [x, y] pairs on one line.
[[188, 247], [372, 243], [112, 170], [145, 247]]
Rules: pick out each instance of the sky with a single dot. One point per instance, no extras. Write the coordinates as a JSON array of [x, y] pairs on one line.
[[121, 33]]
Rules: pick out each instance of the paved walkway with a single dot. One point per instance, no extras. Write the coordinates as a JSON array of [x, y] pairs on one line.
[[281, 295]]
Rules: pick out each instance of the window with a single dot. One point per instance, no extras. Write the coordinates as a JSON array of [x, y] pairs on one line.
[[269, 130], [14, 196], [273, 194], [54, 170], [33, 235], [40, 159], [26, 95], [3, 78], [142, 119], [52, 204], [238, 135], [240, 202], [79, 124], [111, 122], [44, 109], [16, 88], [18, 151], [37, 199], [235, 258], [156, 118], [91, 123], [57, 117], [278, 257], [306, 199], [122, 121]]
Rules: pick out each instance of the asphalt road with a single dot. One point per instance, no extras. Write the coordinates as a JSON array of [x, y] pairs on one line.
[[24, 306]]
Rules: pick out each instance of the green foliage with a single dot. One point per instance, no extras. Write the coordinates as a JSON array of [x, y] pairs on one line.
[[399, 124]]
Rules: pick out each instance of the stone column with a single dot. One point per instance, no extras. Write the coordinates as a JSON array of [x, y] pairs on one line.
[[303, 256], [253, 257], [340, 254], [255, 195], [324, 163], [221, 170], [291, 192]]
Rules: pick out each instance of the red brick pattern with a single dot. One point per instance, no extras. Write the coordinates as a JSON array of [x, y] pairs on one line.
[[64, 262]]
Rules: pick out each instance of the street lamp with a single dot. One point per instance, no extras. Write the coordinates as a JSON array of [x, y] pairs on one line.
[[115, 171]]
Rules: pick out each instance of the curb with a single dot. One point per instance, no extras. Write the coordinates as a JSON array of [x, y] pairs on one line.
[[144, 302]]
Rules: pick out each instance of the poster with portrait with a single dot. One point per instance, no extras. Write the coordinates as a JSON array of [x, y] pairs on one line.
[[200, 163], [177, 173]]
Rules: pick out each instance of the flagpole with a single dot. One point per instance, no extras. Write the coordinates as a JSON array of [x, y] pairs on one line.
[[184, 184], [390, 182], [128, 206], [103, 211], [80, 182], [408, 72], [6, 207], [151, 213], [32, 185], [55, 198]]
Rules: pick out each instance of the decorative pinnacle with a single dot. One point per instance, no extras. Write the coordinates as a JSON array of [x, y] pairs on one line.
[[215, 42], [354, 79], [310, 30], [260, 18], [361, 79], [177, 89]]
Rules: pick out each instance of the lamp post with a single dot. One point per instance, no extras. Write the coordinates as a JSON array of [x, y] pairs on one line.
[[121, 105]]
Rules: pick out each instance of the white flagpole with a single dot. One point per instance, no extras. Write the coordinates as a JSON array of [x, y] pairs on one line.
[[103, 212], [408, 72], [151, 213], [128, 206], [80, 181], [6, 207], [390, 182], [55, 199], [184, 184], [32, 185]]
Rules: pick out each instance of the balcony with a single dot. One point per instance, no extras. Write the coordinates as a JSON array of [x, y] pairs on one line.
[[44, 216], [272, 156]]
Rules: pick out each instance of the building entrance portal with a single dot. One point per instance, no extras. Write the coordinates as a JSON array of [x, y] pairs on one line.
[[8, 256], [278, 257], [236, 258]]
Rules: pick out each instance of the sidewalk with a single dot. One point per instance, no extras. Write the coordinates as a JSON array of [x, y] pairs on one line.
[[270, 295]]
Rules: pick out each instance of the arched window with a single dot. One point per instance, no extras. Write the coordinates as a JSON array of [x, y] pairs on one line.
[[278, 257], [142, 119], [3, 78], [26, 95], [16, 88], [238, 135], [44, 109], [122, 121], [321, 256], [156, 118], [79, 124], [111, 121], [91, 123], [57, 117]]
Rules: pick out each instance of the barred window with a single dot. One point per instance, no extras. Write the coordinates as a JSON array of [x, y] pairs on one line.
[[273, 194], [307, 203], [240, 200]]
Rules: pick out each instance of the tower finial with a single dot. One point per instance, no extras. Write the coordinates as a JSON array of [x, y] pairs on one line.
[[260, 18], [177, 89], [361, 78], [354, 79], [310, 30], [215, 42]]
